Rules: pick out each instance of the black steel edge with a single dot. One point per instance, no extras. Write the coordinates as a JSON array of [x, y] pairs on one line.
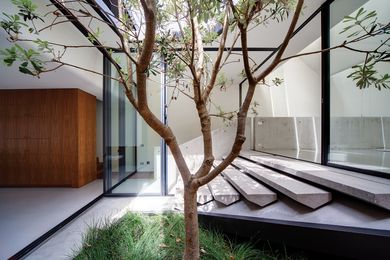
[[30, 247], [325, 83], [331, 240], [357, 230]]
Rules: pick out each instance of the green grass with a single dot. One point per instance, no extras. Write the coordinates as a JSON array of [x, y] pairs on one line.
[[137, 236]]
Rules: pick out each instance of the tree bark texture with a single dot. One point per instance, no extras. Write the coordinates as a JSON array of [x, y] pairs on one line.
[[191, 251]]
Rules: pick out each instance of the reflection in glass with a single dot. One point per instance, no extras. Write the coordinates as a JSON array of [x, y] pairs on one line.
[[359, 118], [135, 148], [288, 121]]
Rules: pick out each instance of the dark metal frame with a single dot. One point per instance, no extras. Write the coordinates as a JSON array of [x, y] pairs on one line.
[[325, 82], [107, 178]]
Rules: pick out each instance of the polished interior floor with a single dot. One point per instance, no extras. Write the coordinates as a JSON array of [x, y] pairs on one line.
[[370, 159], [140, 183], [306, 155], [28, 213]]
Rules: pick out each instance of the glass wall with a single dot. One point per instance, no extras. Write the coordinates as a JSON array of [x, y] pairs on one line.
[[134, 160], [359, 118], [288, 120]]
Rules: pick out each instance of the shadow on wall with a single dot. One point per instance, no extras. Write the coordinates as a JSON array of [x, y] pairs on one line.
[[223, 139]]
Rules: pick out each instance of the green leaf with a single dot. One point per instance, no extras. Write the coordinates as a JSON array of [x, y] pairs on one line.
[[26, 71]]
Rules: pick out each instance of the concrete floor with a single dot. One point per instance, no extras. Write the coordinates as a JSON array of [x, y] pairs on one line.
[[28, 213], [65, 243]]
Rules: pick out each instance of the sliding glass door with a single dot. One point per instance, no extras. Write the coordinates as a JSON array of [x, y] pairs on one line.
[[133, 151]]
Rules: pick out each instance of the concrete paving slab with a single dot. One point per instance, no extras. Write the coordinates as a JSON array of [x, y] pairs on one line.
[[371, 190], [222, 191], [301, 192], [204, 195], [249, 188]]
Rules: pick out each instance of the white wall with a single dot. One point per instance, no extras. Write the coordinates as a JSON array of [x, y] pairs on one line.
[[347, 99], [300, 93], [303, 88], [65, 77]]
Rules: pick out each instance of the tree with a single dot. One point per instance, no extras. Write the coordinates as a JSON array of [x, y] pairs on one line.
[[144, 32]]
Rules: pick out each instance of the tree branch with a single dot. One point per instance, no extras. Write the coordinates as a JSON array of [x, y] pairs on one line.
[[283, 47], [242, 114], [216, 67]]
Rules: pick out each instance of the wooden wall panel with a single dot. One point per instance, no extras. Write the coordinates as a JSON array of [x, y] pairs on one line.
[[86, 138], [40, 139]]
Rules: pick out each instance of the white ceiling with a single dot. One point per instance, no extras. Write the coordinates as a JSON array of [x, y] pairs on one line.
[[66, 77]]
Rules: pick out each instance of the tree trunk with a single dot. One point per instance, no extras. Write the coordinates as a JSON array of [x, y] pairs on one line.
[[191, 251]]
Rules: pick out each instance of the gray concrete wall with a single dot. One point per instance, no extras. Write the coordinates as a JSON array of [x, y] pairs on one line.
[[274, 133], [386, 132], [306, 135], [356, 133]]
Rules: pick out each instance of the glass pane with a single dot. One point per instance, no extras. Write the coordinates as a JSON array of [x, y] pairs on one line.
[[121, 129], [359, 118], [289, 112], [114, 122], [142, 146]]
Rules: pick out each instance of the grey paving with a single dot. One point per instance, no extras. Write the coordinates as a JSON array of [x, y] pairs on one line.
[[222, 191], [66, 242], [204, 195], [371, 189], [301, 192], [28, 213], [249, 188]]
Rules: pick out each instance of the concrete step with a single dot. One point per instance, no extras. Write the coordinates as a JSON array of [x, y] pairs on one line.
[[204, 195], [249, 188], [301, 192], [222, 191], [373, 190]]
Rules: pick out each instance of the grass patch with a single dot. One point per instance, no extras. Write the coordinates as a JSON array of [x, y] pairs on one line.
[[137, 236]]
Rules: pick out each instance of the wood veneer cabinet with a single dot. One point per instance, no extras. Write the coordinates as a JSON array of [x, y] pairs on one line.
[[47, 137]]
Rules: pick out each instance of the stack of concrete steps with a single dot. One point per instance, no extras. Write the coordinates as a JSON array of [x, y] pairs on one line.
[[250, 189], [299, 191], [371, 189], [252, 185]]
